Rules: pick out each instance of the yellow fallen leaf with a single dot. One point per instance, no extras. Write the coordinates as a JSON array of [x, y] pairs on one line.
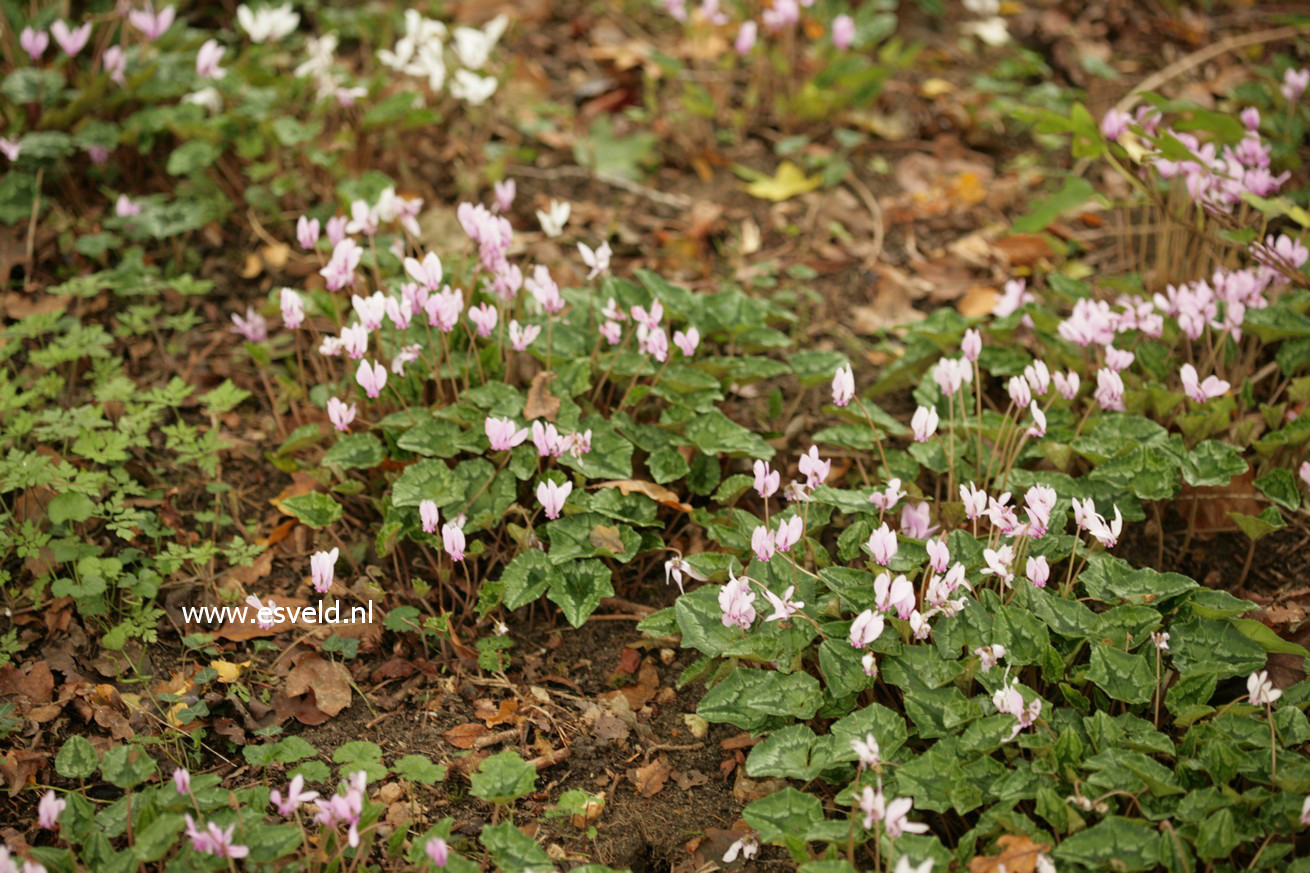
[[228, 672], [787, 182], [935, 88]]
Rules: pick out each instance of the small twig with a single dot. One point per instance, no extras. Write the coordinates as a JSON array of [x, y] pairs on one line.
[[551, 759]]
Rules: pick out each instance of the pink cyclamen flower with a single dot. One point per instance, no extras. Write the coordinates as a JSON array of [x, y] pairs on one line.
[[788, 533], [322, 569], [115, 64], [34, 42], [866, 628], [151, 25], [340, 269], [544, 290], [307, 232], [1008, 700], [252, 327], [181, 776], [502, 434], [1199, 391], [427, 272], [336, 229], [287, 805], [214, 840], [551, 496], [354, 341], [736, 600], [1260, 690], [762, 543], [612, 331], [939, 555], [520, 336], [547, 439], [49, 809], [1038, 571], [1305, 811], [1118, 359], [436, 849], [783, 607], [897, 594], [843, 385], [125, 207], [924, 423], [484, 318], [208, 59], [428, 515], [597, 259], [843, 32], [293, 308], [1305, 473], [1109, 390], [1021, 393], [12, 148], [974, 499], [988, 656], [340, 413], [747, 34], [1294, 84], [452, 538], [677, 567], [1038, 429], [888, 497], [505, 191], [656, 344], [952, 374], [1107, 533], [71, 39], [1066, 384], [687, 342], [264, 618], [1114, 124], [882, 544], [867, 751], [768, 479], [971, 345], [371, 379], [371, 310], [649, 319], [916, 520], [814, 468]]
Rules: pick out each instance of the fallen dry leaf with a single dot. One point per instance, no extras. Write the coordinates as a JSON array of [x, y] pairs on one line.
[[649, 780], [1018, 855], [463, 736], [658, 493], [541, 403], [327, 679]]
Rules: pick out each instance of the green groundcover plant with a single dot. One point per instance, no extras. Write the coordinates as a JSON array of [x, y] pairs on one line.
[[922, 617]]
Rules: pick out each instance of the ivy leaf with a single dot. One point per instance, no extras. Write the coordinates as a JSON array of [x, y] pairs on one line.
[[527, 577], [578, 589], [503, 778], [425, 480], [126, 767], [1280, 486], [1122, 675], [315, 509], [419, 768], [1115, 843], [77, 758], [513, 850], [782, 814], [355, 451]]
